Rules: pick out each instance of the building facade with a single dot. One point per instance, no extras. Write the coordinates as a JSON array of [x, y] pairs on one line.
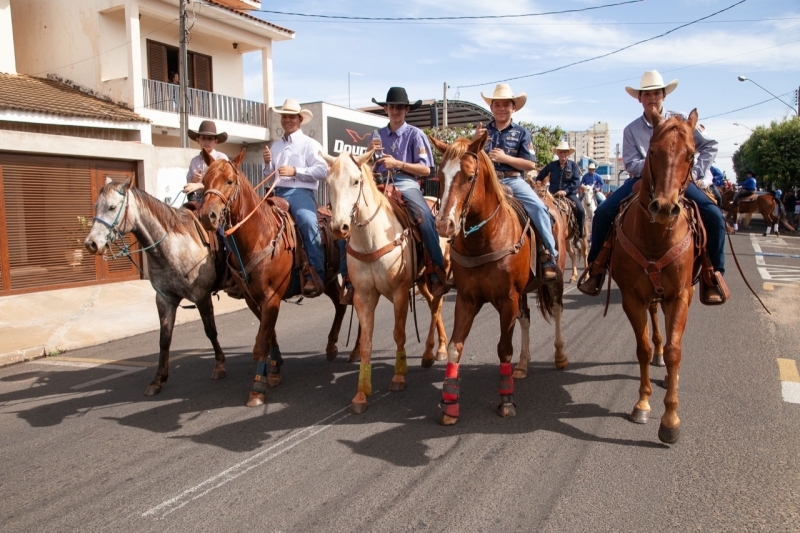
[[592, 143]]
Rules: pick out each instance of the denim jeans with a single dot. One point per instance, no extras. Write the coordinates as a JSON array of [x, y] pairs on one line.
[[536, 210], [412, 194], [303, 208]]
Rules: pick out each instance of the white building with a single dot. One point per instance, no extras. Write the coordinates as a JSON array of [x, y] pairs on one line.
[[593, 143]]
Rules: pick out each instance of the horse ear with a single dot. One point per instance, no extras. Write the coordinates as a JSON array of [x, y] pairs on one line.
[[693, 117], [207, 159], [479, 140], [124, 186], [239, 158], [328, 158], [108, 180], [365, 157], [439, 145]]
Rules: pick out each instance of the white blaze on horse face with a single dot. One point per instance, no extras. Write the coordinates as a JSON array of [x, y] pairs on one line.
[[343, 188], [449, 172]]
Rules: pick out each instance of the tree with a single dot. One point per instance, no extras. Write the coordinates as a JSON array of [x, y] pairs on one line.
[[772, 154]]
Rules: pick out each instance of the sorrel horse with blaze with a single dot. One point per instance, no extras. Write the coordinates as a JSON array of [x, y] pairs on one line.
[[656, 229], [267, 250], [381, 261], [491, 264]]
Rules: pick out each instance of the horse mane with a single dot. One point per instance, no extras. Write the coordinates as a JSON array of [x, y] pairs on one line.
[[367, 176], [672, 123], [170, 218], [457, 149]]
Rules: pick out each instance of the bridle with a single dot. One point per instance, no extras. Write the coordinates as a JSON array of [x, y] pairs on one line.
[[225, 214], [359, 196], [113, 227], [472, 179], [684, 186]]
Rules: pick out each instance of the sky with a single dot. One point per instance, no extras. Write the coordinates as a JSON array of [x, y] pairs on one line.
[[759, 39]]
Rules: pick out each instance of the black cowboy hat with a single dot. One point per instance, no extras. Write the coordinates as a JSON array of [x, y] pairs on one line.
[[398, 96], [208, 128]]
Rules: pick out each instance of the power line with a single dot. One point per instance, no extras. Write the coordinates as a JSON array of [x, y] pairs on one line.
[[477, 17], [607, 54], [523, 24], [743, 108]]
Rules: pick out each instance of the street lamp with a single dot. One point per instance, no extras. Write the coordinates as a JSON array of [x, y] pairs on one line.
[[348, 85], [745, 78], [742, 125]]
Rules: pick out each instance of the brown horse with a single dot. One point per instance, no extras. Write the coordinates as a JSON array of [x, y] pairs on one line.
[[766, 204], [654, 259], [491, 264], [267, 249]]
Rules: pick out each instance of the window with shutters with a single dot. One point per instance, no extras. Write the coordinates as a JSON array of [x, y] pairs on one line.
[[163, 61]]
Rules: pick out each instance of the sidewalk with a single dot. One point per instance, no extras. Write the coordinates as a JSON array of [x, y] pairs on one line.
[[37, 324]]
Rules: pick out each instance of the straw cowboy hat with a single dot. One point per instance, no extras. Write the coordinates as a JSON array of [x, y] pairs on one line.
[[398, 96], [504, 92], [592, 166], [651, 80], [292, 107], [562, 146], [208, 129]]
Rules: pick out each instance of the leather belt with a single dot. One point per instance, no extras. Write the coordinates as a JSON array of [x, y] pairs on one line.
[[501, 174]]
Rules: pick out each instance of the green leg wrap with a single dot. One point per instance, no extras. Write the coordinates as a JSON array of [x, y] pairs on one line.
[[365, 379], [400, 365]]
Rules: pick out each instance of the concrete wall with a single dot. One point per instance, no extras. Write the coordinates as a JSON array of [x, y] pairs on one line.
[[8, 62]]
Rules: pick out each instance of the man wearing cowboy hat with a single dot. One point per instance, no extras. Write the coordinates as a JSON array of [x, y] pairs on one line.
[[510, 147], [635, 143], [208, 138], [564, 179], [407, 156], [592, 179], [299, 168]]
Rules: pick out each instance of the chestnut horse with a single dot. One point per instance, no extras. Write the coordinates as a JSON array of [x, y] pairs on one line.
[[766, 204], [381, 261], [266, 247], [491, 262], [654, 260]]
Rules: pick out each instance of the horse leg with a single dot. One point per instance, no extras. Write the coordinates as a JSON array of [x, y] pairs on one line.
[[365, 308], [332, 291], [400, 302], [261, 353], [524, 318], [275, 361], [436, 327], [675, 314], [637, 315], [355, 354], [166, 317], [206, 309], [505, 351], [658, 341], [560, 357], [465, 313], [571, 250]]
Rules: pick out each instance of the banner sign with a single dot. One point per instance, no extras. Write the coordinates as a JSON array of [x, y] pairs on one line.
[[346, 136]]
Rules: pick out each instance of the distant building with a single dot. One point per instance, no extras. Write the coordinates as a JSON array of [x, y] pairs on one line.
[[592, 143]]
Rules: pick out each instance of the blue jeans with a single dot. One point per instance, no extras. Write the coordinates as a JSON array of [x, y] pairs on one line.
[[409, 189], [303, 208], [536, 210], [709, 214]]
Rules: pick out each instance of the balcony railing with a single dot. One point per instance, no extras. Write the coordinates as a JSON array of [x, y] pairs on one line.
[[166, 97]]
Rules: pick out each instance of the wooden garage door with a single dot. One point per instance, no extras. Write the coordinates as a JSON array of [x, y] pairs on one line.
[[47, 212]]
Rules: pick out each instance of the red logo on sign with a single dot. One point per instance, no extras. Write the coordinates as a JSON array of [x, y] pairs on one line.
[[355, 136]]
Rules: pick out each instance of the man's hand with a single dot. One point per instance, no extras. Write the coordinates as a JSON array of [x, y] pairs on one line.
[[267, 155], [189, 188], [287, 171], [390, 162], [560, 194]]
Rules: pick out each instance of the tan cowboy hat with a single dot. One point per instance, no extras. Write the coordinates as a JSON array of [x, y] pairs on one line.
[[652, 79], [563, 145], [592, 166], [504, 92], [209, 129], [292, 107]]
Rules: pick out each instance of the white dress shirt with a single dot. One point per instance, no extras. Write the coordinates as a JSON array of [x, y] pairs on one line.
[[198, 165], [303, 153]]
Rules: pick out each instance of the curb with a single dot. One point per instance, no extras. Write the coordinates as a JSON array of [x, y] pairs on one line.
[[20, 356]]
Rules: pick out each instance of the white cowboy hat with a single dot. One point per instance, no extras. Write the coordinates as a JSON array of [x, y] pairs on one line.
[[504, 92], [592, 166], [652, 79], [563, 145], [292, 107]]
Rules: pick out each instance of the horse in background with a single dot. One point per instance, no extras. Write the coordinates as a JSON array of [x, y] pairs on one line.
[[575, 245], [381, 261], [763, 203], [261, 233], [589, 201], [181, 261], [491, 264]]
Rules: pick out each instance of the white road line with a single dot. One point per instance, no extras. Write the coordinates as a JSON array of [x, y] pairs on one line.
[[198, 491], [790, 391]]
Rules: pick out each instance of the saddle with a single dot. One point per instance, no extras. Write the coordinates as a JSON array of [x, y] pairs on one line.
[[212, 240], [566, 207]]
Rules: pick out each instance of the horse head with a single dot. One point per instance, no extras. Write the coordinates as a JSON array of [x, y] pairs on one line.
[[542, 188], [114, 216], [347, 180], [462, 163], [668, 166], [221, 189]]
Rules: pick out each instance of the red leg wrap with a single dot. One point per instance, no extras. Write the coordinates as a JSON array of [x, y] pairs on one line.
[[450, 409], [506, 381], [451, 371]]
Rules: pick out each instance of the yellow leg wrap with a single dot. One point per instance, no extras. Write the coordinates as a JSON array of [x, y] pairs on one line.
[[400, 365], [365, 379]]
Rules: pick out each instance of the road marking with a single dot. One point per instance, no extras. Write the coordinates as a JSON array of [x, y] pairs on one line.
[[99, 362], [790, 380], [79, 364], [769, 287], [198, 491]]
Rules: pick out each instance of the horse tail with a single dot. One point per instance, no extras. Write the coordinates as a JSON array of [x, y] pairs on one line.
[[546, 299]]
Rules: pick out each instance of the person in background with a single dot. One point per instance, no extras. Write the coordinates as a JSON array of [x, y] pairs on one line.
[[564, 180], [208, 139], [592, 179]]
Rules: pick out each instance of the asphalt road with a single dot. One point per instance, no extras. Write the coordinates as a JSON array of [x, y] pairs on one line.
[[83, 450]]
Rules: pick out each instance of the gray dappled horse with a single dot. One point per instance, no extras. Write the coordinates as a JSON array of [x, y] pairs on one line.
[[180, 265]]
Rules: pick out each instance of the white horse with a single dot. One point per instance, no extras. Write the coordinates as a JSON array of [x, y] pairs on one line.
[[380, 262], [589, 202]]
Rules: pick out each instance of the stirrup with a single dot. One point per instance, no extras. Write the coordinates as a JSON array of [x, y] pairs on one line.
[[590, 284]]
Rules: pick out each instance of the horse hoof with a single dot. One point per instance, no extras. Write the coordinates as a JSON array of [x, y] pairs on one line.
[[331, 354], [658, 360], [669, 435], [441, 356], [358, 408], [519, 373], [397, 386], [355, 357], [561, 365], [507, 410], [273, 380], [152, 390], [573, 279], [427, 363], [256, 399], [447, 420], [218, 374], [640, 416]]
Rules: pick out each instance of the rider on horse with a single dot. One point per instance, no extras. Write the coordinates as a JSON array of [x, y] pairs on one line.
[[593, 180], [208, 138], [564, 174], [749, 187], [636, 142], [510, 147]]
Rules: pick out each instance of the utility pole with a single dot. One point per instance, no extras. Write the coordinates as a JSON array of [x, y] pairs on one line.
[[444, 107], [616, 163], [184, 73]]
